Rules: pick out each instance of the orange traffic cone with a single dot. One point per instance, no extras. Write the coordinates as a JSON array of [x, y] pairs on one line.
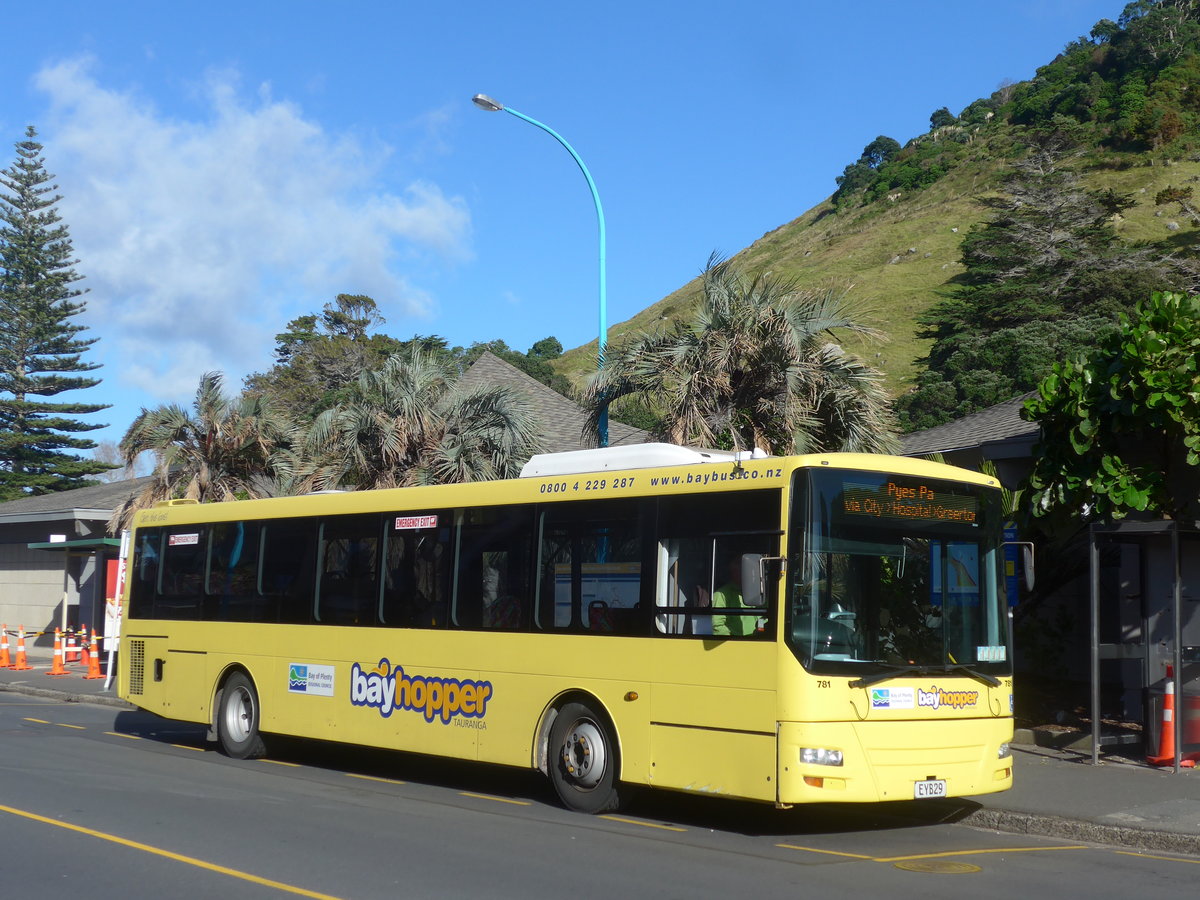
[[57, 667], [22, 663], [71, 655], [93, 671], [5, 661], [1166, 741]]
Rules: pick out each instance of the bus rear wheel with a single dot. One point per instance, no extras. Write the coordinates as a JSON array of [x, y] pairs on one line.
[[237, 719], [583, 760]]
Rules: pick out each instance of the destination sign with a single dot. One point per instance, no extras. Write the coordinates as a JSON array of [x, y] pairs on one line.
[[908, 501]]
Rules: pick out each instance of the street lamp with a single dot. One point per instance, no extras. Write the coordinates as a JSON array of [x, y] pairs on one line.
[[484, 102]]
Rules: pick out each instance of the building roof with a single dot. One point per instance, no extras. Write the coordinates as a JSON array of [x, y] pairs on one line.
[[562, 420], [95, 502], [996, 424]]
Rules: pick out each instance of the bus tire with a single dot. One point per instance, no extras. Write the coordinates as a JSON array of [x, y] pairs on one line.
[[583, 760], [237, 719]]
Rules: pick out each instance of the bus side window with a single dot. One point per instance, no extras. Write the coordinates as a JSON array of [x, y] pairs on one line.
[[287, 568], [181, 578], [590, 567], [492, 588], [708, 563], [143, 574], [348, 588], [416, 570], [232, 588]]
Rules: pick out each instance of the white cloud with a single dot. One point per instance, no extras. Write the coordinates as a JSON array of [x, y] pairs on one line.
[[199, 238]]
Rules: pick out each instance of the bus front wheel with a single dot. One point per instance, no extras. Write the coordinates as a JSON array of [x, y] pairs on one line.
[[237, 719], [583, 760]]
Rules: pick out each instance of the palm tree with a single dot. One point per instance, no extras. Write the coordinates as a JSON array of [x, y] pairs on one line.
[[757, 366], [407, 423], [224, 449]]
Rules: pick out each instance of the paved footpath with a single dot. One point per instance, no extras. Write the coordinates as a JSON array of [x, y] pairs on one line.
[[1056, 793]]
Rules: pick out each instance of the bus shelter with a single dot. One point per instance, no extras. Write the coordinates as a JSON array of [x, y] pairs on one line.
[[1151, 619], [100, 550]]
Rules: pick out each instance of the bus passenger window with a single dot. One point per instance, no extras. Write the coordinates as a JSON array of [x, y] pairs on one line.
[[416, 583], [181, 581], [492, 587], [232, 594], [590, 567], [289, 560], [348, 590]]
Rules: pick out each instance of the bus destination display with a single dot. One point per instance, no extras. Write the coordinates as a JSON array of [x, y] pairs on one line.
[[907, 502]]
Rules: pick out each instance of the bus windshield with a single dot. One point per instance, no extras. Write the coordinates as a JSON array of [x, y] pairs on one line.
[[891, 575]]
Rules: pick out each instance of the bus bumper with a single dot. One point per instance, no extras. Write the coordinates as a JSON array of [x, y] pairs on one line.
[[885, 760]]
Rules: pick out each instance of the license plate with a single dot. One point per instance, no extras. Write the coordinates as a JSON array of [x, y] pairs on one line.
[[923, 789]]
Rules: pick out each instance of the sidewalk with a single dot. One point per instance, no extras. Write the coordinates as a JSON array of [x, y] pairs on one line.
[[1056, 793]]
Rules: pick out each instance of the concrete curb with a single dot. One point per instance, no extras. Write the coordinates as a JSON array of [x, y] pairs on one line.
[[67, 696], [1083, 831]]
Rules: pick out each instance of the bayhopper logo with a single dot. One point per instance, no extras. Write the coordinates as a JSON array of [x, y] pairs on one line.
[[936, 698], [387, 688]]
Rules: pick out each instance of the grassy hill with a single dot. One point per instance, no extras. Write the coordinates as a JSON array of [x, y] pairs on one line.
[[1120, 106], [898, 254]]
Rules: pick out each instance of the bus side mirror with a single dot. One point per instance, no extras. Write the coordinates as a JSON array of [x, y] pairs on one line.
[[770, 570], [1027, 566]]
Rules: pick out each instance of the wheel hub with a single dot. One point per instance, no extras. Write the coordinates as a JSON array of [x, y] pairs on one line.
[[583, 754]]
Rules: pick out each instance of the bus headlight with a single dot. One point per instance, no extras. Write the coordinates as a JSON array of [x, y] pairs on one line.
[[819, 756], [1005, 750]]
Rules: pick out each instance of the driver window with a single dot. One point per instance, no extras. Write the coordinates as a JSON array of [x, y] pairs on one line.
[[709, 555]]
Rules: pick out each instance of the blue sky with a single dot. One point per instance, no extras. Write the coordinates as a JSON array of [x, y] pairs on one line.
[[226, 167]]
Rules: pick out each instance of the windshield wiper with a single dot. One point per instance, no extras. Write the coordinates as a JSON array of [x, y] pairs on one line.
[[894, 671]]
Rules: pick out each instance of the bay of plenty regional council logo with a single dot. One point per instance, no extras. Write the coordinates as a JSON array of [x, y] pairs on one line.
[[313, 680], [298, 678]]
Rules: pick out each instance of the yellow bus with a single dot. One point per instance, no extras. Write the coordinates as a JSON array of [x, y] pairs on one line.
[[789, 630]]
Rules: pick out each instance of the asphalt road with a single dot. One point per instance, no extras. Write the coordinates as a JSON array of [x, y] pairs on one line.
[[100, 803]]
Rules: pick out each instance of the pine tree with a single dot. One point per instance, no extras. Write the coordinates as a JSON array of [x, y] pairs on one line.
[[39, 345]]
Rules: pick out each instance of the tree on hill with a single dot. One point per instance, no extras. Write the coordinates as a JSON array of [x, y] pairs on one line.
[[757, 366], [407, 423], [941, 118], [1046, 277], [1121, 424], [41, 351], [859, 174]]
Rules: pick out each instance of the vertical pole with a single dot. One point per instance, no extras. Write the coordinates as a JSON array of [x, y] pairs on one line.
[[1177, 617], [1095, 604]]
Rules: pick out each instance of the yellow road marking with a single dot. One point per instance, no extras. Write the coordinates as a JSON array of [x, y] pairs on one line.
[[156, 851], [188, 747], [76, 727], [830, 852], [497, 799], [374, 778], [39, 721], [1193, 862], [132, 737], [278, 762], [888, 859], [643, 824], [894, 859]]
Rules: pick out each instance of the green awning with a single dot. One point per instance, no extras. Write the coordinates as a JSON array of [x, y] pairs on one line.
[[81, 544]]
